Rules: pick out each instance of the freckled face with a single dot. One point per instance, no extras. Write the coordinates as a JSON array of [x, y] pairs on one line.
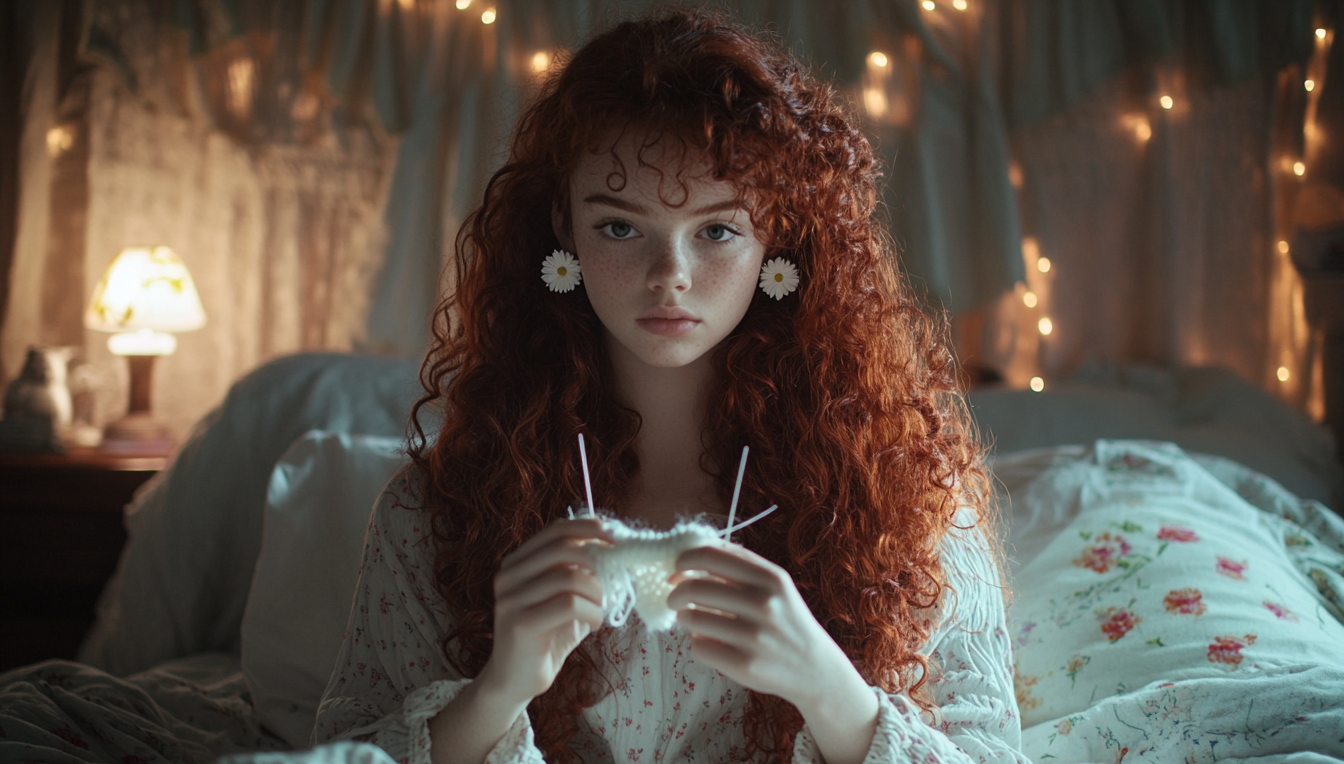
[[668, 282]]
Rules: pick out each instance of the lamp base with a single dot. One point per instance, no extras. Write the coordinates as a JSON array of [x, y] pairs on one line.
[[137, 433]]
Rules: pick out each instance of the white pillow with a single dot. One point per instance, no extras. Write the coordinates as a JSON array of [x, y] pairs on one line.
[[317, 509], [1162, 574]]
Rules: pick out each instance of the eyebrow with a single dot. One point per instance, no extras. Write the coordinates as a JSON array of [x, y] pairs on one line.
[[638, 209]]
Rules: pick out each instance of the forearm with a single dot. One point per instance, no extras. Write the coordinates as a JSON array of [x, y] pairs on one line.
[[842, 716], [471, 725]]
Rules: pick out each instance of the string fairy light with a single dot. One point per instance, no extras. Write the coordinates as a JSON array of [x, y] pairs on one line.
[[541, 61], [462, 5], [1283, 374], [1037, 384], [959, 4], [1299, 168], [1043, 265], [878, 59], [1310, 85], [488, 17], [929, 5], [1166, 101], [1045, 326], [1283, 246], [1320, 33], [1029, 299]]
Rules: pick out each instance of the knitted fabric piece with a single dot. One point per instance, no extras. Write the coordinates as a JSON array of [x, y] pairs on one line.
[[635, 568]]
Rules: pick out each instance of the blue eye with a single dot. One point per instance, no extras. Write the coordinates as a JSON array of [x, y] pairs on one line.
[[619, 229], [718, 232]]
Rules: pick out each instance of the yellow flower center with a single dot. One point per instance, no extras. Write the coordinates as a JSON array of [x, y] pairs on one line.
[[560, 271], [779, 277]]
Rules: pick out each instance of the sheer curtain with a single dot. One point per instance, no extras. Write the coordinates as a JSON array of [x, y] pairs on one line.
[[311, 162]]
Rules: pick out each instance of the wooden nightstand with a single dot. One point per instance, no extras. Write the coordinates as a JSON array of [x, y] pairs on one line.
[[61, 532]]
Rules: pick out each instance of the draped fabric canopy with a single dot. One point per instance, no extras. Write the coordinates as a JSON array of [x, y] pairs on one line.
[[311, 160]]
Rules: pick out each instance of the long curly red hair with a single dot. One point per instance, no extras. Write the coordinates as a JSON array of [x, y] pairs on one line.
[[845, 390]]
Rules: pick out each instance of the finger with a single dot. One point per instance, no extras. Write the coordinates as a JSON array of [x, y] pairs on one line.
[[724, 628], [558, 611], [725, 597], [732, 564], [720, 655], [548, 584], [584, 529], [564, 551]]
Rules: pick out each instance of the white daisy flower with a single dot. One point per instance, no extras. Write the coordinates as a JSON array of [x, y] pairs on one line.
[[561, 271], [779, 277]]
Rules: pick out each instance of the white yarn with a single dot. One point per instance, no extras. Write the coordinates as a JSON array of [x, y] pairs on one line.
[[635, 568]]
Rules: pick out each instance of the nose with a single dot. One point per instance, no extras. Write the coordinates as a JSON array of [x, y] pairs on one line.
[[670, 268]]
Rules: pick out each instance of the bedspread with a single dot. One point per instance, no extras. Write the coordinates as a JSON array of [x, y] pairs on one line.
[[185, 711]]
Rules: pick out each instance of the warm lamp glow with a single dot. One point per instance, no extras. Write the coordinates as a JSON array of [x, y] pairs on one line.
[[1037, 384], [1320, 33], [1310, 85], [1166, 102], [1029, 299], [145, 288], [1045, 326], [928, 5], [877, 58], [462, 5], [488, 17], [541, 60], [1299, 169], [1283, 374], [1283, 247], [1043, 265], [959, 4]]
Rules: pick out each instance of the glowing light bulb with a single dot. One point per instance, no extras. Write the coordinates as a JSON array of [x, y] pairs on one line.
[[928, 5], [1166, 102], [1045, 326], [488, 17], [1043, 265], [1283, 247], [877, 58], [1037, 384], [1320, 34], [462, 5], [1310, 85], [540, 61], [959, 4], [1283, 374], [1029, 299], [1299, 168]]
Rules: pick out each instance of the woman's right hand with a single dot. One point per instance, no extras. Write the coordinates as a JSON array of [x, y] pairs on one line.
[[547, 599]]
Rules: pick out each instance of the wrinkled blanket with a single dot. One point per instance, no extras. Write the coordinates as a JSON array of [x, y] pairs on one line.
[[186, 711]]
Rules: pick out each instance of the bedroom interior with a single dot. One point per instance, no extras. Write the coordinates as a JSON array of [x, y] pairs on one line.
[[1132, 211]]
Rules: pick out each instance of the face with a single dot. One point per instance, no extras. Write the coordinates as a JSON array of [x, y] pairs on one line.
[[670, 259]]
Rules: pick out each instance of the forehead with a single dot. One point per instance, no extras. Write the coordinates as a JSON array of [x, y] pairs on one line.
[[635, 163]]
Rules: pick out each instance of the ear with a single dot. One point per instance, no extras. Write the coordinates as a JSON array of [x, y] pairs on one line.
[[560, 225]]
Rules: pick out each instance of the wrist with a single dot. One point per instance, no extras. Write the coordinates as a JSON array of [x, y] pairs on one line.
[[490, 691], [841, 695]]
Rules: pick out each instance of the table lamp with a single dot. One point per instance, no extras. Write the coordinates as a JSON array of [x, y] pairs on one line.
[[145, 294]]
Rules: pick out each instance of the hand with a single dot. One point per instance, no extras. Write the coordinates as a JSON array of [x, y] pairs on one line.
[[748, 620], [547, 599]]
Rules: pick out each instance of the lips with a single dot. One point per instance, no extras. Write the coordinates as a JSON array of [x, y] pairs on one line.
[[668, 321]]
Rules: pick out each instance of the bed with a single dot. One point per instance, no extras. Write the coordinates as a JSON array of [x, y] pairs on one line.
[[1177, 575]]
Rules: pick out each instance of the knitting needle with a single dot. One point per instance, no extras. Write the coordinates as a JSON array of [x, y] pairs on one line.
[[745, 523], [737, 489], [587, 483]]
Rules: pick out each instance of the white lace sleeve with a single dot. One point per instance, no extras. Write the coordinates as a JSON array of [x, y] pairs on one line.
[[390, 676], [972, 682]]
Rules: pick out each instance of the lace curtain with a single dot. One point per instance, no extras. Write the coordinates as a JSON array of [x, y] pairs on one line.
[[311, 161]]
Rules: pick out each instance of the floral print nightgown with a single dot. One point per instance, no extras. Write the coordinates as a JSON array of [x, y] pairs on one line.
[[390, 677]]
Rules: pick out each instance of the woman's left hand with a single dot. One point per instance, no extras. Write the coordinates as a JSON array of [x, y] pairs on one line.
[[748, 621]]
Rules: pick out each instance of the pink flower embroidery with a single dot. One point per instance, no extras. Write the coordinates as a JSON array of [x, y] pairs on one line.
[[1184, 601], [1177, 533], [1105, 554], [1228, 649], [1279, 611], [1232, 568], [1116, 622]]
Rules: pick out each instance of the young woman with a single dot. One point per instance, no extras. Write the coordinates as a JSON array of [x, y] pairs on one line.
[[678, 260]]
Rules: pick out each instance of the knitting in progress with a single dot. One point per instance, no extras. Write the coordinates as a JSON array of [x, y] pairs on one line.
[[635, 568]]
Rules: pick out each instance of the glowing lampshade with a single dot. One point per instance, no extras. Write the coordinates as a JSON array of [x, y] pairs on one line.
[[145, 289]]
